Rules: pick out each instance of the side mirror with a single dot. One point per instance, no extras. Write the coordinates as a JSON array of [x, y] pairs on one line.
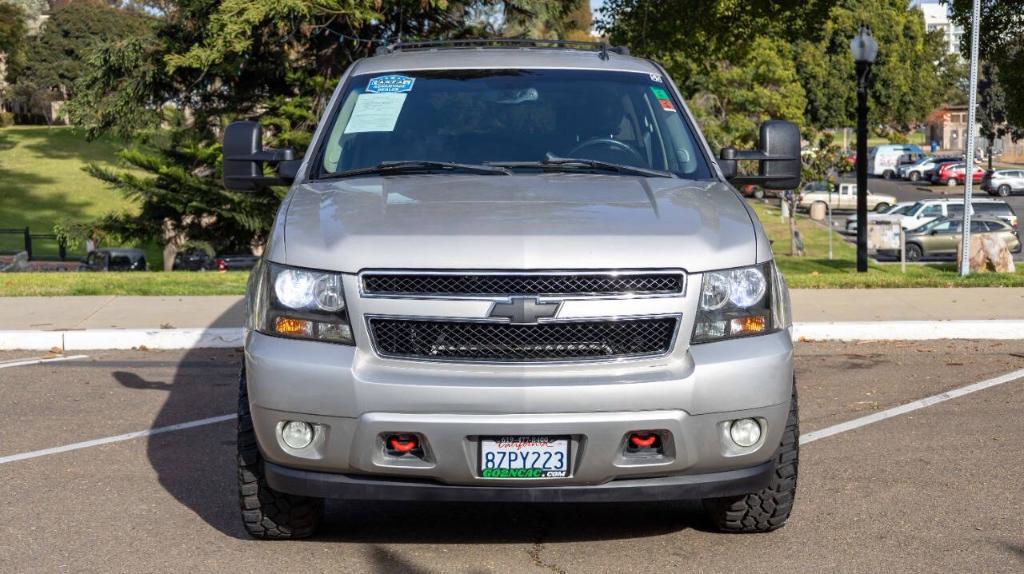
[[778, 154], [244, 158]]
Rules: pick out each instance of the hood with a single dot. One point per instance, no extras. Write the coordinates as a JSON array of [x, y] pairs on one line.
[[522, 221]]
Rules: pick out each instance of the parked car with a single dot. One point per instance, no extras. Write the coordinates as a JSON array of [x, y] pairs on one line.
[[114, 259], [403, 345], [929, 171], [941, 238], [992, 208], [1003, 182], [883, 160], [236, 261], [921, 168], [928, 210], [193, 260], [200, 260], [844, 197], [892, 213], [953, 174]]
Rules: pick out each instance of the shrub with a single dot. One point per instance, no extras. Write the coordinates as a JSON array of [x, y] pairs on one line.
[[6, 119]]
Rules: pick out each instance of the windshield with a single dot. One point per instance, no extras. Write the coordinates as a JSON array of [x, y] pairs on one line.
[[480, 116], [899, 209]]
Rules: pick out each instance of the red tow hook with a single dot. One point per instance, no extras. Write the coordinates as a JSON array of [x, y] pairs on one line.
[[642, 440], [402, 445]]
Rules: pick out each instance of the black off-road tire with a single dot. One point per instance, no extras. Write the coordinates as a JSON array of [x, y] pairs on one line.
[[266, 513], [769, 508]]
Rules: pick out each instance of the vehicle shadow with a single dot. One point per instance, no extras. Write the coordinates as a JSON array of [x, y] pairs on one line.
[[197, 468]]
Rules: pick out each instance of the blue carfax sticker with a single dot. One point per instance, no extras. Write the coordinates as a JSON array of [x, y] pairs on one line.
[[390, 84]]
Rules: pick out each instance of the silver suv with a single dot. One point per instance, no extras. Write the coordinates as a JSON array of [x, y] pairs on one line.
[[514, 273]]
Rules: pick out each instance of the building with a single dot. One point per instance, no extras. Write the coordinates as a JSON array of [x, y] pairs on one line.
[[947, 127], [936, 17]]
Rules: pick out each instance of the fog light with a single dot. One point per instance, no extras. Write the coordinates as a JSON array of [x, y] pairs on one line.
[[745, 432], [297, 434]]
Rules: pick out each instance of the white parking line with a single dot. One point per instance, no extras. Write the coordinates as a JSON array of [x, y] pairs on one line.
[[804, 439], [113, 439], [909, 407], [38, 360]]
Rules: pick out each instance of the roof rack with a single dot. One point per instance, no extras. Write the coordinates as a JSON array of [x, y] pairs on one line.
[[602, 48]]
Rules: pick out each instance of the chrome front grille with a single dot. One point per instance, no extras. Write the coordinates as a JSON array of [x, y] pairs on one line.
[[507, 342], [543, 284]]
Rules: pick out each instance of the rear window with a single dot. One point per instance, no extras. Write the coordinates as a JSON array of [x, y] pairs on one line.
[[993, 208]]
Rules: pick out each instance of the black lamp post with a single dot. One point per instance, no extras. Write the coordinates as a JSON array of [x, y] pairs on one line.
[[864, 49]]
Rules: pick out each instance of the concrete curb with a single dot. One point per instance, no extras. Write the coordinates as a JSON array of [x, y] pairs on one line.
[[226, 338]]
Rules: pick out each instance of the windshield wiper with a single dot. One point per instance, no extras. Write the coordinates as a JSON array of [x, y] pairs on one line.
[[581, 163], [414, 165]]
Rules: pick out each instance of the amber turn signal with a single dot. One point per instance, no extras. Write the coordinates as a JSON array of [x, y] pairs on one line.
[[293, 327], [748, 325]]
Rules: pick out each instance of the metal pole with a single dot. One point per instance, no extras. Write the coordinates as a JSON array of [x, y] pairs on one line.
[[829, 208], [965, 248], [863, 69], [903, 249]]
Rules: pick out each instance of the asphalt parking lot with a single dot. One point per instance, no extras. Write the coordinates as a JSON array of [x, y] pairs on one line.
[[936, 489]]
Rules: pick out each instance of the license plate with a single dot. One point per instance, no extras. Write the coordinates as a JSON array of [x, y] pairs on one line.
[[524, 457]]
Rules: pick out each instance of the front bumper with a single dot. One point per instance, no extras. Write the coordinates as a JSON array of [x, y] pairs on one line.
[[684, 487], [356, 399]]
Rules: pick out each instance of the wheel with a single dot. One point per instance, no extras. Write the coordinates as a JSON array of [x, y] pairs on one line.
[[914, 252], [951, 182], [758, 193], [266, 513], [769, 508], [915, 176], [1003, 191], [887, 174], [881, 206]]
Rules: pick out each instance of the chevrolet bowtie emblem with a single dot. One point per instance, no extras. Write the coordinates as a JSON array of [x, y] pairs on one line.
[[525, 309]]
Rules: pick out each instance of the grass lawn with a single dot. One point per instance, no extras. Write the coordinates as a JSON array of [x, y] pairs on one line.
[[815, 270], [42, 183], [156, 283]]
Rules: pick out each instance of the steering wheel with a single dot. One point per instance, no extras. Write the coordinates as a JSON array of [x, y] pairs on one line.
[[609, 143]]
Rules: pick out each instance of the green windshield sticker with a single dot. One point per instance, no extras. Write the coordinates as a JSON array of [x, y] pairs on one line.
[[659, 93]]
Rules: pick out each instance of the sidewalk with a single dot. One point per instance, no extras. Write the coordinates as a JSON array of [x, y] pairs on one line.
[[809, 306]]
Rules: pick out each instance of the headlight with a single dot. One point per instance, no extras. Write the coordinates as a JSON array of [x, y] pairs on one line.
[[301, 303], [740, 303]]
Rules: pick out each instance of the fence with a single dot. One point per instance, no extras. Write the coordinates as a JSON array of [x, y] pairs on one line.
[[39, 246]]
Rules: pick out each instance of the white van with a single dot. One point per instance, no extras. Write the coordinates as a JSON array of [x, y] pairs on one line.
[[884, 160]]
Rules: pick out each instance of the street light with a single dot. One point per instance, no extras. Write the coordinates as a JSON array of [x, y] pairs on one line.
[[865, 50]]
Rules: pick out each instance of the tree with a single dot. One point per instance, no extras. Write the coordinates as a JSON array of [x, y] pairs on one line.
[[56, 57], [12, 40], [213, 61], [737, 97], [1002, 47], [692, 37], [906, 83], [992, 109]]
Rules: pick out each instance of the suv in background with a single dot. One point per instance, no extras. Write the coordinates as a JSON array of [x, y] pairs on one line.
[[941, 238], [1003, 182], [953, 174], [928, 210], [514, 275]]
